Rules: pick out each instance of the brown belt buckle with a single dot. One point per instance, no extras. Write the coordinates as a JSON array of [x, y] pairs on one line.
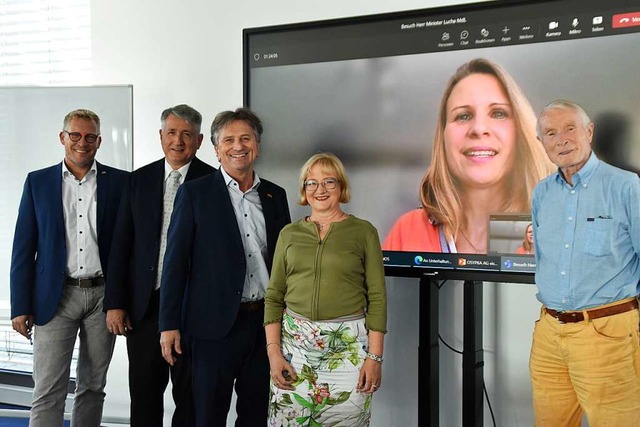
[[557, 317]]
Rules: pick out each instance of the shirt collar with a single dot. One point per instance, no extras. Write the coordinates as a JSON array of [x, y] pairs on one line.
[[168, 169], [66, 172], [228, 180], [583, 176]]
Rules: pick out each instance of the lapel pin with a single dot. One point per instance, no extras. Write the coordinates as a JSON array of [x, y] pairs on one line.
[[269, 195]]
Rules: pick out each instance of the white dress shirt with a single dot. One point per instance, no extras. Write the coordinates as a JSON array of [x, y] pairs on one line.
[[79, 206], [250, 218]]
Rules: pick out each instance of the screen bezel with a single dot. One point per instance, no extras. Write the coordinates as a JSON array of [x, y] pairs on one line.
[[391, 268]]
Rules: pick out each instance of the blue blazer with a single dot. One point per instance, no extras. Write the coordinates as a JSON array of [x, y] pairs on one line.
[[39, 257], [136, 242], [204, 265]]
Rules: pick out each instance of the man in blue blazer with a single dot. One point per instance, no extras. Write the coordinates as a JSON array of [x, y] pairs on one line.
[[221, 242], [58, 267], [132, 296]]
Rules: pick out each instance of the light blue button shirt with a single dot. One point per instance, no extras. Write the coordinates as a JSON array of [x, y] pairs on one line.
[[587, 237]]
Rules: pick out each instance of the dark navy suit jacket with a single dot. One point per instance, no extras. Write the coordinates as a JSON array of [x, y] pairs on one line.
[[39, 257], [136, 242], [204, 265]]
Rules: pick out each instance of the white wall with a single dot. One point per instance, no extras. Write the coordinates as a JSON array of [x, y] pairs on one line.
[[191, 52]]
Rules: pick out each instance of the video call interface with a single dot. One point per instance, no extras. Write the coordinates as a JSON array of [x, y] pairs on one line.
[[369, 89]]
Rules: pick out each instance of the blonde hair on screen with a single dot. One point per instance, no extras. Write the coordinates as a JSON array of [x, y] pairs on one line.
[[440, 192]]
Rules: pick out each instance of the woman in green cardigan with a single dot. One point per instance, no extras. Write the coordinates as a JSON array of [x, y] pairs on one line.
[[325, 308]]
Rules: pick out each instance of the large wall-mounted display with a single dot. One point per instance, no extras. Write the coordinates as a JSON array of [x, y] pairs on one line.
[[433, 113]]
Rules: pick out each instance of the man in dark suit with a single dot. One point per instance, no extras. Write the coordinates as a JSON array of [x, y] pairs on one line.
[[58, 268], [133, 289], [221, 242]]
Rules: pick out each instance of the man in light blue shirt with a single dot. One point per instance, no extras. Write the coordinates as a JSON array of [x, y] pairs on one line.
[[585, 355]]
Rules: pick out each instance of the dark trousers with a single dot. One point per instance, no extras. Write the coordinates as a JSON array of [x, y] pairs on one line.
[[240, 358], [149, 375]]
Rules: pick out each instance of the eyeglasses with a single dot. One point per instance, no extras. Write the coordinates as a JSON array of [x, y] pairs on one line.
[[91, 138], [328, 183]]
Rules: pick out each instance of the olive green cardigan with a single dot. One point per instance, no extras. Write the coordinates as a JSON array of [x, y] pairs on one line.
[[330, 278]]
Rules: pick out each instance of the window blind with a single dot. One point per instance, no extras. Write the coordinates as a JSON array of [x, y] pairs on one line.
[[45, 42]]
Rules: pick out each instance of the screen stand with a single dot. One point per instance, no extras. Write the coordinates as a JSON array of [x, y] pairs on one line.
[[428, 355], [472, 355]]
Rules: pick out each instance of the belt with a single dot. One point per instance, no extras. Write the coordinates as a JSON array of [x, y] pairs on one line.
[[84, 283], [596, 313], [252, 305]]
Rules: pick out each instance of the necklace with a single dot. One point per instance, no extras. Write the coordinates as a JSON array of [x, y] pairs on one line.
[[478, 251], [322, 226]]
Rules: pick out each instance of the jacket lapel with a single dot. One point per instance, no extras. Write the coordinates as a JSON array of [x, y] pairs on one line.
[[229, 220], [103, 192], [151, 194], [193, 171], [56, 200], [266, 199]]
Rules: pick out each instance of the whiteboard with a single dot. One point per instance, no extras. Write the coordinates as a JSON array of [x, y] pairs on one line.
[[30, 120]]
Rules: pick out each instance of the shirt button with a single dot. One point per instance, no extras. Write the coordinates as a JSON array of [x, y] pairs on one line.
[[80, 216], [247, 234], [251, 275], [81, 232], [81, 267], [245, 215], [573, 191], [566, 245], [564, 301], [80, 199], [570, 218], [249, 255], [562, 273]]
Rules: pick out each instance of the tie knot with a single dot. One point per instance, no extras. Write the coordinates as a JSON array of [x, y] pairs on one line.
[[175, 175]]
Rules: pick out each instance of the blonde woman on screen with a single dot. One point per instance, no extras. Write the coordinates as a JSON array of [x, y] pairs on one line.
[[527, 242], [485, 158]]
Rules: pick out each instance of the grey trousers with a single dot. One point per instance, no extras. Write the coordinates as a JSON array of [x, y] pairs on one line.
[[80, 309]]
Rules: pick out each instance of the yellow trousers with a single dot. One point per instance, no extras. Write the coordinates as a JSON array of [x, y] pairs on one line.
[[591, 366]]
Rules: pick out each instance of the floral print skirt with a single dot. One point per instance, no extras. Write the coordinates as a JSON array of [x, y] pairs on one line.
[[327, 357]]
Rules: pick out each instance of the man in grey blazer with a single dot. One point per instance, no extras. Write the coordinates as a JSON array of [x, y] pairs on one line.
[[58, 269], [133, 287]]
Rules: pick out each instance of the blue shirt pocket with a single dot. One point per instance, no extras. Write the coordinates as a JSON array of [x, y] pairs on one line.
[[599, 234]]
